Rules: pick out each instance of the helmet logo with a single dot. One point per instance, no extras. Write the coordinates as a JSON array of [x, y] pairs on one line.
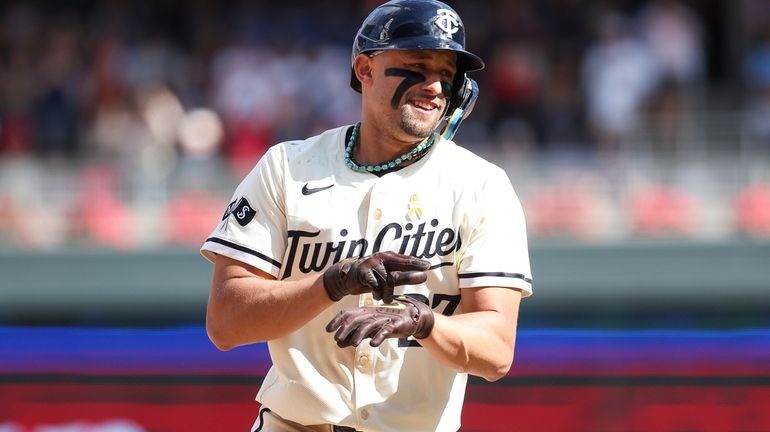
[[385, 32], [448, 22]]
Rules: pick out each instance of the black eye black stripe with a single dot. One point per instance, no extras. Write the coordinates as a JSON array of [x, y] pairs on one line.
[[410, 79], [446, 88]]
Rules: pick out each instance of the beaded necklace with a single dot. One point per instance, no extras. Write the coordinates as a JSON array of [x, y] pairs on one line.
[[412, 154]]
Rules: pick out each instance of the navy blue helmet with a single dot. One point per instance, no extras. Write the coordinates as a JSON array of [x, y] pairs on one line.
[[415, 25]]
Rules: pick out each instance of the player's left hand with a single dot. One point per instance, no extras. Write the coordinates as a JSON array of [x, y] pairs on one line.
[[402, 318]]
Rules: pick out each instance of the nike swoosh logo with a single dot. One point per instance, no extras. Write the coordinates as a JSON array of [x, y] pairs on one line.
[[309, 191]]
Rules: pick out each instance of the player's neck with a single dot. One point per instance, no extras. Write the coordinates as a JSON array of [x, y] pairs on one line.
[[376, 146]]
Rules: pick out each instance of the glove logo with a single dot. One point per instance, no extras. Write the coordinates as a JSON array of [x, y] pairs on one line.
[[414, 211], [448, 22], [242, 210]]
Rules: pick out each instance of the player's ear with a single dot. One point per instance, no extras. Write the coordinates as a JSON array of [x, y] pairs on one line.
[[362, 66]]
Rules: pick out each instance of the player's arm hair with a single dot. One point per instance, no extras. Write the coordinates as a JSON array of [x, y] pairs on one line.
[[480, 341], [247, 305]]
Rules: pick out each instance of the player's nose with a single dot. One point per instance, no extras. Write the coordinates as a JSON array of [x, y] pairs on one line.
[[434, 86]]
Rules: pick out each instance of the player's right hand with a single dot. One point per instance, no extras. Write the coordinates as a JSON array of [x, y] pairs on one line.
[[405, 317], [378, 274]]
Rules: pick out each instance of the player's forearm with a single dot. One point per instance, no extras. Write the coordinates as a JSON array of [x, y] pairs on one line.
[[245, 310], [478, 343]]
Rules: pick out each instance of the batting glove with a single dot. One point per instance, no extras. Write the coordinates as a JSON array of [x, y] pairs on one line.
[[403, 318], [378, 274]]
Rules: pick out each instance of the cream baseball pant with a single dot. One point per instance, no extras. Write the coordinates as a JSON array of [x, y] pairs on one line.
[[267, 421]]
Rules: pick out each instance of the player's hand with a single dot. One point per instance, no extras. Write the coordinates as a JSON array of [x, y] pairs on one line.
[[378, 274], [404, 317]]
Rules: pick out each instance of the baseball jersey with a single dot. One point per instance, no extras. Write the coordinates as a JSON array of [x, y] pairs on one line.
[[301, 209]]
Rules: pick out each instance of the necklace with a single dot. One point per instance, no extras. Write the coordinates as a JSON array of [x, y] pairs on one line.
[[412, 154]]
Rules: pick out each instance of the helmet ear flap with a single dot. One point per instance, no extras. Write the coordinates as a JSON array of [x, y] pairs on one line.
[[459, 94], [460, 107]]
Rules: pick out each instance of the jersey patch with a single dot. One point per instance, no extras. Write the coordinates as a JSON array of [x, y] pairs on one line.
[[242, 210], [414, 210]]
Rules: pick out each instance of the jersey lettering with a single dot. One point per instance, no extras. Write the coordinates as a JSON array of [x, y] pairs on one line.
[[316, 256]]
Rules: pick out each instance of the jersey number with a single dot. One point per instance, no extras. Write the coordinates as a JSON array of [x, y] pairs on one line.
[[452, 301]]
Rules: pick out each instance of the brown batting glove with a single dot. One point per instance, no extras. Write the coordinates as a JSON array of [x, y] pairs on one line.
[[403, 318], [378, 274]]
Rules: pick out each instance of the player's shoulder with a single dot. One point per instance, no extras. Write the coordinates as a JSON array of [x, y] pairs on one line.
[[464, 161], [321, 144], [300, 156]]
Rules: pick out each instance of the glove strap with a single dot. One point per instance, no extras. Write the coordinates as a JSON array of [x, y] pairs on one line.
[[335, 277], [423, 316]]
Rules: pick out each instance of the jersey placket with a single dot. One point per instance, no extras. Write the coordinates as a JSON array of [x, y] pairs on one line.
[[363, 372], [366, 393]]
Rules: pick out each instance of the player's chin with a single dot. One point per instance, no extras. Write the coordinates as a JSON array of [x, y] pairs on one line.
[[419, 123]]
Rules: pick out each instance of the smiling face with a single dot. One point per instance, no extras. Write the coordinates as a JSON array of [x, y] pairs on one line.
[[409, 90]]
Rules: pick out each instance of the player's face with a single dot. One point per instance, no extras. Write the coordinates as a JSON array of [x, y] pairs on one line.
[[414, 88]]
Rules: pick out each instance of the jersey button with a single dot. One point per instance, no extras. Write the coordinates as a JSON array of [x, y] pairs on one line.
[[377, 214], [363, 363], [364, 414]]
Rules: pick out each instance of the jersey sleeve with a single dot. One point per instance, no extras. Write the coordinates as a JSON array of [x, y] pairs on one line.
[[253, 226], [496, 252]]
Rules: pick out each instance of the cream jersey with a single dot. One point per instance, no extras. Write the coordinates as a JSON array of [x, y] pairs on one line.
[[301, 209]]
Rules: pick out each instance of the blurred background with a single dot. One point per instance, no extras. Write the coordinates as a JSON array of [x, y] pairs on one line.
[[636, 133]]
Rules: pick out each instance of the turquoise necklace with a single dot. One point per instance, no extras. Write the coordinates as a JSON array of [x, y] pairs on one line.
[[415, 153]]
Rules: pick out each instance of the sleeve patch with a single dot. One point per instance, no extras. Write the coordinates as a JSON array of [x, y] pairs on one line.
[[242, 210]]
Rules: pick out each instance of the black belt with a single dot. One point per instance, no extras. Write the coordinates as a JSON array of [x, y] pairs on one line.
[[335, 428]]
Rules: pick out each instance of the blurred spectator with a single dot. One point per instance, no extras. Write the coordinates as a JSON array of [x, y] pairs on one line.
[[563, 113], [515, 73], [566, 24], [673, 33], [58, 104], [756, 72], [515, 70], [200, 167], [619, 75], [18, 70], [248, 93]]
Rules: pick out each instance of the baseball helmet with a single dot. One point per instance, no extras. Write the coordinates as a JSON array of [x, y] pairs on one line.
[[415, 25]]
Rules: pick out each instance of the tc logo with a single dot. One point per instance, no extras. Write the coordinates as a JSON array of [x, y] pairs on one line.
[[447, 21]]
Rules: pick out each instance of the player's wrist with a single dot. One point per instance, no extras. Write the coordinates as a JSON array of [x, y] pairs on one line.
[[335, 278], [423, 316]]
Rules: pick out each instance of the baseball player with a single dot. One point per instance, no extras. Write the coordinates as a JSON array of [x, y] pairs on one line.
[[381, 262]]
